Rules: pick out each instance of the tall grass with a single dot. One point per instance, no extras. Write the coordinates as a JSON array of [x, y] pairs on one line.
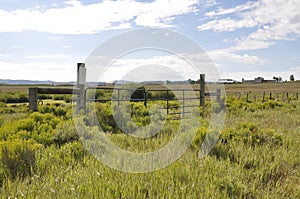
[[257, 156]]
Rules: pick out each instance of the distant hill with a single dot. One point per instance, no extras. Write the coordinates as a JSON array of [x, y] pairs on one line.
[[32, 82]]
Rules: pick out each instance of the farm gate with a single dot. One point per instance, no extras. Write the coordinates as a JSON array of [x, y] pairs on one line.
[[81, 92]]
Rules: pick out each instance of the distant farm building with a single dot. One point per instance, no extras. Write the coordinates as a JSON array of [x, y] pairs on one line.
[[227, 81], [258, 80]]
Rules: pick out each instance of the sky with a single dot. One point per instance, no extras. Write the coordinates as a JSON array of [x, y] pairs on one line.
[[44, 40]]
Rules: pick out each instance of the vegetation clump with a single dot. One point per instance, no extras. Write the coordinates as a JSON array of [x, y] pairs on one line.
[[256, 155]]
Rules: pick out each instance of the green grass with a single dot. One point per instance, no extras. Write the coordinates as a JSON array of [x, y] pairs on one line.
[[257, 156]]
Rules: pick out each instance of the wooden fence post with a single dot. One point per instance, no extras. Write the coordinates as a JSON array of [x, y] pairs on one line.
[[167, 102], [81, 81], [118, 97], [264, 93], [183, 104], [145, 98], [33, 99], [202, 90], [218, 95], [239, 95]]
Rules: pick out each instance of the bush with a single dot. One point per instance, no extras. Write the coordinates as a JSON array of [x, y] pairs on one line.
[[14, 97], [249, 133], [66, 132], [138, 94], [162, 95], [54, 109], [38, 127], [43, 97], [17, 158]]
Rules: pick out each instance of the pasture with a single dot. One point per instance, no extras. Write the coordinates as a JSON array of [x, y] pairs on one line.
[[256, 156]]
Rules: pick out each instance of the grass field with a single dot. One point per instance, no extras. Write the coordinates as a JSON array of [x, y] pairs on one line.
[[230, 88], [256, 156]]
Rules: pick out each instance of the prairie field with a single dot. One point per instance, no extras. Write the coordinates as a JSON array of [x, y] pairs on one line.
[[256, 156]]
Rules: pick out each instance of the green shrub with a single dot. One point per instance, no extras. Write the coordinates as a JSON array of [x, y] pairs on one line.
[[38, 127], [43, 96], [17, 157], [249, 133], [199, 138], [106, 118], [66, 132], [58, 97], [13, 97], [54, 109], [138, 94]]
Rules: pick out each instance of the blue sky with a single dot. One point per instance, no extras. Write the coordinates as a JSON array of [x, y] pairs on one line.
[[43, 40]]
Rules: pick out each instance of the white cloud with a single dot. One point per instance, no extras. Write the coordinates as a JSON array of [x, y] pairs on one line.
[[247, 6], [4, 55], [162, 67], [273, 20], [76, 18], [208, 3], [73, 2], [65, 46], [38, 71], [48, 56], [162, 12], [224, 55], [246, 44], [55, 38], [228, 24]]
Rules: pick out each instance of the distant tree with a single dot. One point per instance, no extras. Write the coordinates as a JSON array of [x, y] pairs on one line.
[[278, 79], [292, 78], [191, 81]]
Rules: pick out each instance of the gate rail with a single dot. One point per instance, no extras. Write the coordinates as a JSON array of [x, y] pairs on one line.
[[81, 89]]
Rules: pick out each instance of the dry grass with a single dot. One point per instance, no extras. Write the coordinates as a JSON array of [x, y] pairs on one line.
[[10, 88], [230, 88]]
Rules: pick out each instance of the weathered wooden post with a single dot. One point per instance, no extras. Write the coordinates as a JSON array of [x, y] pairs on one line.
[[118, 97], [218, 97], [168, 102], [263, 97], [183, 111], [202, 90], [145, 98], [81, 81], [33, 99]]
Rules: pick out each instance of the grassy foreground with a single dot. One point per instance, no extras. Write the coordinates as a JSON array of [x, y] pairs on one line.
[[257, 156]]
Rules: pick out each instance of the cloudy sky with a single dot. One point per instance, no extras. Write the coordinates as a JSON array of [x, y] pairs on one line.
[[43, 40]]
